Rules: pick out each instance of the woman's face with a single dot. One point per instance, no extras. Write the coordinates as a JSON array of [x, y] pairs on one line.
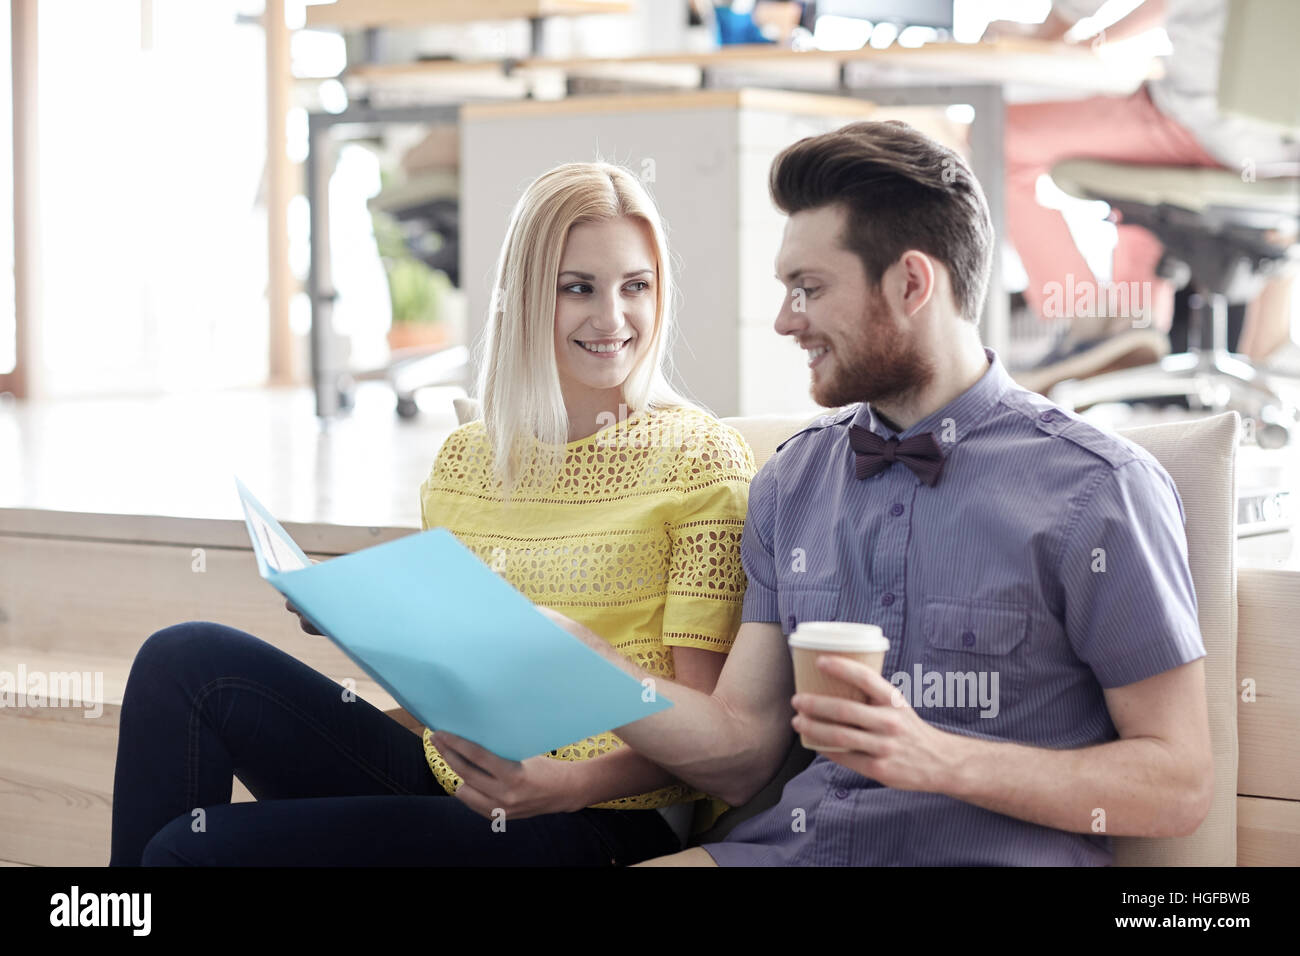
[[604, 303]]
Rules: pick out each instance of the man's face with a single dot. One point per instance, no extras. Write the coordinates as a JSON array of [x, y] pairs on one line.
[[859, 346]]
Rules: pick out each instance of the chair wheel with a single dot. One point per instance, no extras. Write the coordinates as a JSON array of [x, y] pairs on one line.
[[347, 393], [1272, 435], [1178, 272], [406, 407]]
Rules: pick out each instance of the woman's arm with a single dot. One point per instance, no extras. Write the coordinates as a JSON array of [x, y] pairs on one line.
[[541, 784]]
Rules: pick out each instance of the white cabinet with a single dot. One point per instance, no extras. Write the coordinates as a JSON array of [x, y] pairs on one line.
[[704, 155]]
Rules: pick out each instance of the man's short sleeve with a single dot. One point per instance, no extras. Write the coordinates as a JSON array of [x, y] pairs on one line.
[[756, 549], [1130, 606]]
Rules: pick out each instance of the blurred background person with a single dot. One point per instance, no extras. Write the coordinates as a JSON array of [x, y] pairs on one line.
[[1170, 121]]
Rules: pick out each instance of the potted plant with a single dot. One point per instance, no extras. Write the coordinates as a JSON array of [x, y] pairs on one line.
[[416, 291]]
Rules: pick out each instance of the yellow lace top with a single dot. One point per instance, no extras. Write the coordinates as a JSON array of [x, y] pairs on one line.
[[638, 539]]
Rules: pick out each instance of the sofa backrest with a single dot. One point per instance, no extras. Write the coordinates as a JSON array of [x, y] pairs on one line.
[[1200, 456]]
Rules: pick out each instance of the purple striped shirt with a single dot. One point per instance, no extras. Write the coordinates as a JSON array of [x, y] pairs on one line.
[[1048, 563]]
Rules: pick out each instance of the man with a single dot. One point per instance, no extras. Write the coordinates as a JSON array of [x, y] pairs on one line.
[[989, 534]]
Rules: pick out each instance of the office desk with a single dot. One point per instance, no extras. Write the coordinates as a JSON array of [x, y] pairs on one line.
[[937, 73], [1070, 69]]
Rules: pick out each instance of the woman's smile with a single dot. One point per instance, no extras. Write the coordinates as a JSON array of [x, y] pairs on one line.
[[604, 348]]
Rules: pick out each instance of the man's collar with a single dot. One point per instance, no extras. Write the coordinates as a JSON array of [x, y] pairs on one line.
[[956, 419]]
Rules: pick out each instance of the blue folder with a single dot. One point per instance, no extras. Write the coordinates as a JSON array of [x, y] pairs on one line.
[[452, 641]]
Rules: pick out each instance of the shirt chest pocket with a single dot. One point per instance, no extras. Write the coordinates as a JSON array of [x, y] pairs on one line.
[[977, 654], [799, 604]]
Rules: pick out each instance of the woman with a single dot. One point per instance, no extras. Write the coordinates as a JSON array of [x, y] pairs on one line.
[[591, 486]]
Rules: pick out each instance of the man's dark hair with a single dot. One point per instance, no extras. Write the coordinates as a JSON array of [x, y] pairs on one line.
[[901, 190]]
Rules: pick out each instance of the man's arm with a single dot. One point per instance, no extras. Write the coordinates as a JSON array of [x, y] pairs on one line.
[[1135, 626], [1157, 780], [1134, 623], [728, 743], [626, 771]]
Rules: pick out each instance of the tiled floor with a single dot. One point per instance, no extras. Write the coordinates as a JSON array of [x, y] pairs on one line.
[[178, 455]]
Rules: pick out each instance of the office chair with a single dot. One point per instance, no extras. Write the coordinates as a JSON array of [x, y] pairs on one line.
[[427, 203], [1223, 235]]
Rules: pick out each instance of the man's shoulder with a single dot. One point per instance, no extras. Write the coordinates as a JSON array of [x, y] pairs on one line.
[[1066, 437], [1070, 434], [819, 425]]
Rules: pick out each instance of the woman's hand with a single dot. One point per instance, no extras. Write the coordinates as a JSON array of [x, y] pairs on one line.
[[302, 621], [306, 624], [522, 789]]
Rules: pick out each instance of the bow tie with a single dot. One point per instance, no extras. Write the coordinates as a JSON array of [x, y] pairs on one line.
[[873, 454]]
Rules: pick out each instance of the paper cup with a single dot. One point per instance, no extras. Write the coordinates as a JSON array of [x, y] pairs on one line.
[[811, 639]]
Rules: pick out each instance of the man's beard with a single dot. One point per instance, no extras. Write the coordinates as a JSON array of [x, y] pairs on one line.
[[881, 364]]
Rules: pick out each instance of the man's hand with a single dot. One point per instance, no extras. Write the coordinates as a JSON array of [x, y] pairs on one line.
[[886, 739], [522, 789]]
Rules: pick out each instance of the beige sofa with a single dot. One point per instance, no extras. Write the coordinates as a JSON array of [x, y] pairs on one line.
[[1200, 456]]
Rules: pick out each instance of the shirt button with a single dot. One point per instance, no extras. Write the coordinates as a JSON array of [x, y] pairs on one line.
[[1047, 417], [968, 638], [887, 598], [896, 510], [841, 793]]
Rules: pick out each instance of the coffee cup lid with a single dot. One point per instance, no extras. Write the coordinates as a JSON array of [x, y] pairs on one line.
[[839, 636]]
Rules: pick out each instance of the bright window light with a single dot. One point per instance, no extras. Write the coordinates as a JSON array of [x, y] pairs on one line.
[[317, 53], [1109, 12], [841, 33], [296, 134], [333, 97], [154, 249], [962, 113], [915, 36], [883, 35], [970, 17]]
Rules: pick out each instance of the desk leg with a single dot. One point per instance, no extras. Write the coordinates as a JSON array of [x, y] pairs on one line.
[[319, 165], [986, 143], [329, 376]]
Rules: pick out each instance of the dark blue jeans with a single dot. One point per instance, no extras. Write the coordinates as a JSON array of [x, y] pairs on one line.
[[337, 781]]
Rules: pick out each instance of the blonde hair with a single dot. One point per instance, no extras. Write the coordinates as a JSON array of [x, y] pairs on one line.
[[518, 383]]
